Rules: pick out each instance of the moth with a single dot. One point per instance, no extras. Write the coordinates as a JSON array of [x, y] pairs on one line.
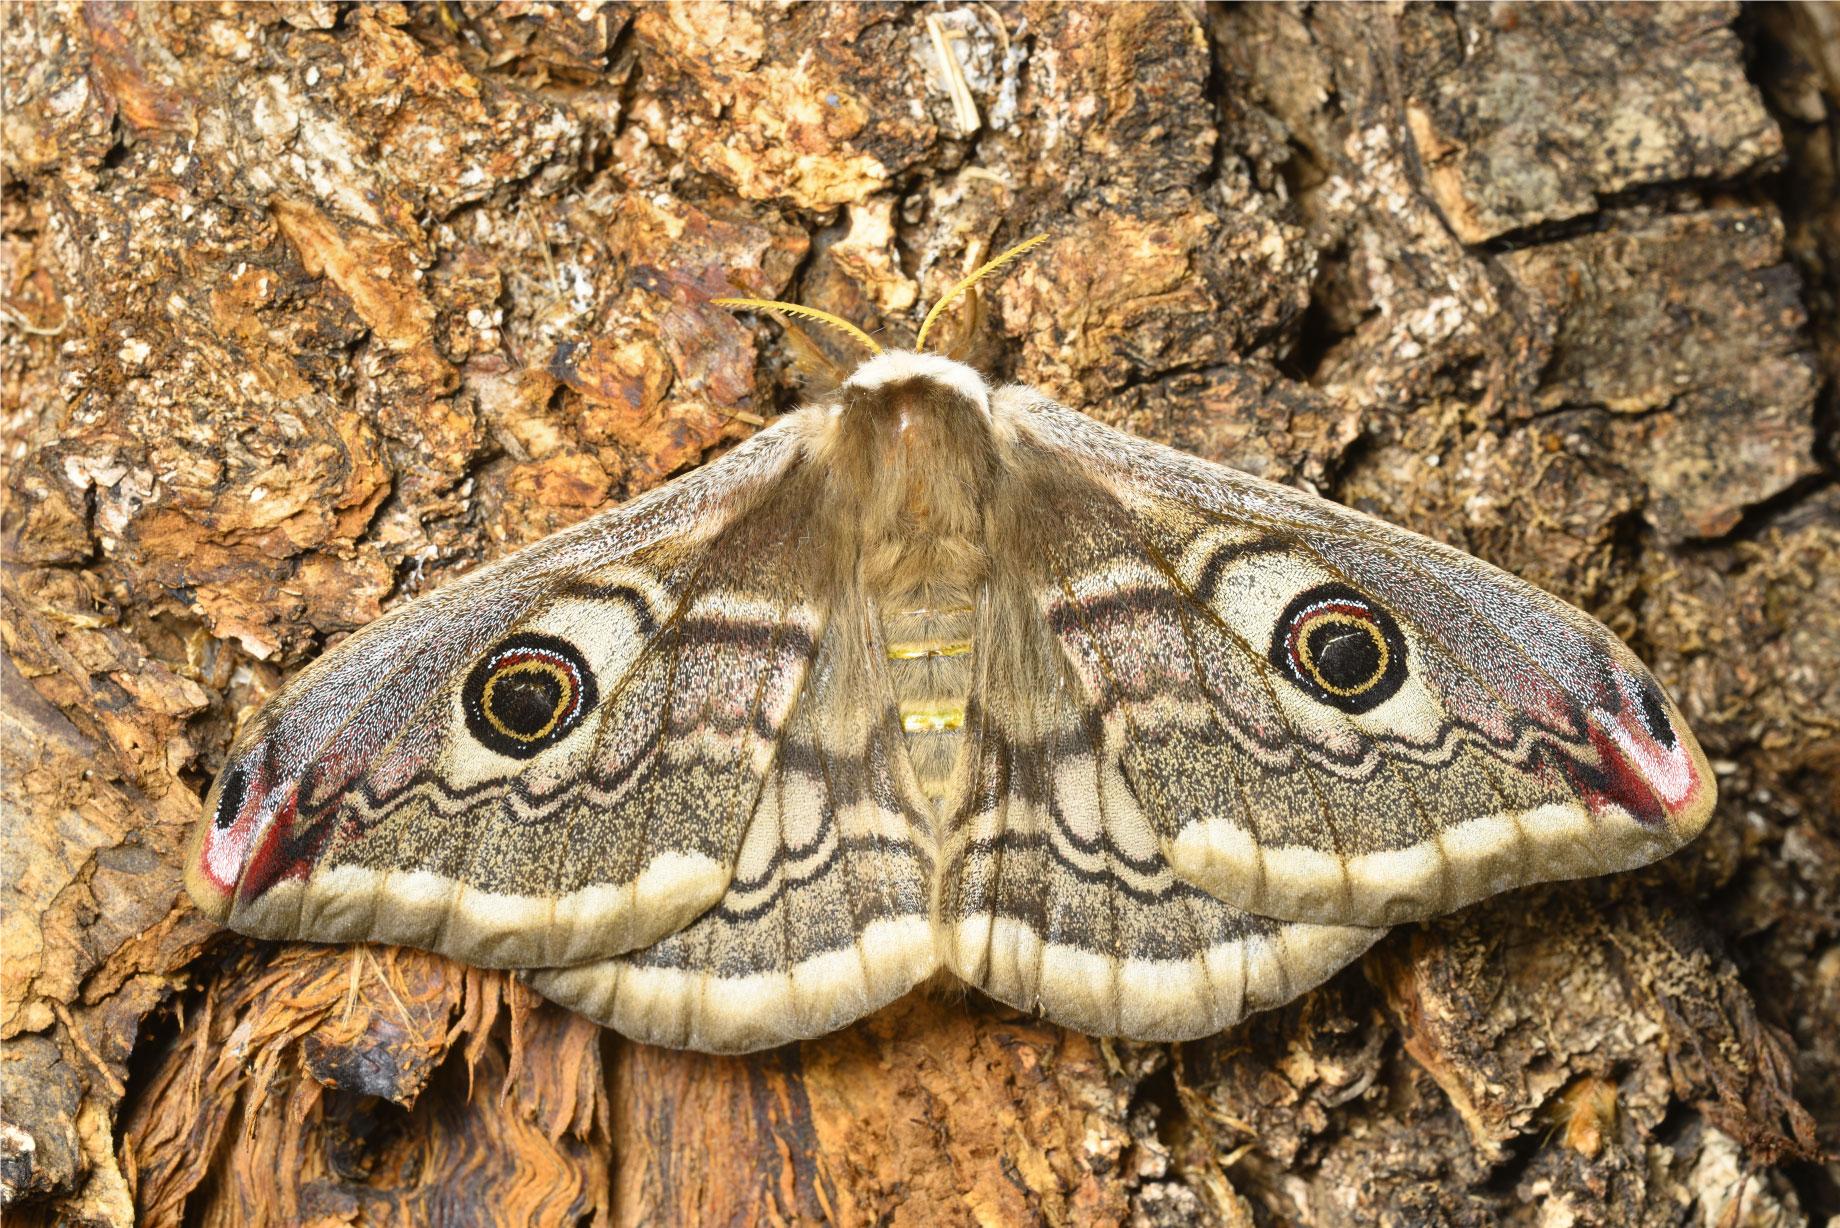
[[931, 675]]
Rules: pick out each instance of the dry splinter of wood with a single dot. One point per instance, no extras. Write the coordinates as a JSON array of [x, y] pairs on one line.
[[934, 674]]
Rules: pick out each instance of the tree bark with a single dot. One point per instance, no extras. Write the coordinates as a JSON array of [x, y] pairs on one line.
[[310, 306]]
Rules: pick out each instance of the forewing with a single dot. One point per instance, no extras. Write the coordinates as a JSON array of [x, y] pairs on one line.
[[1056, 893], [829, 914], [1330, 719], [549, 761]]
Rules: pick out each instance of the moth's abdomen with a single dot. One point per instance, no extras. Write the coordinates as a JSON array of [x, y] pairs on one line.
[[911, 459], [930, 653]]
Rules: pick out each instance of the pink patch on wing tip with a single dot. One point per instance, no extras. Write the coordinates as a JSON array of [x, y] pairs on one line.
[[233, 823], [1649, 769], [250, 844], [273, 856]]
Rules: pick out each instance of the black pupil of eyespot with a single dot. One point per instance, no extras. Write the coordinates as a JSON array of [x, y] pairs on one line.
[[1347, 657], [526, 701]]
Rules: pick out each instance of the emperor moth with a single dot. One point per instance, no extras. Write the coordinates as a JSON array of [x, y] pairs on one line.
[[934, 674]]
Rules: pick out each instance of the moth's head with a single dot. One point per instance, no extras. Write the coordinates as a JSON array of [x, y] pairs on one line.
[[897, 378], [901, 413]]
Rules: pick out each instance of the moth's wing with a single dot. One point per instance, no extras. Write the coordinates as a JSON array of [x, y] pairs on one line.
[[829, 915], [549, 761], [1330, 719], [1056, 893]]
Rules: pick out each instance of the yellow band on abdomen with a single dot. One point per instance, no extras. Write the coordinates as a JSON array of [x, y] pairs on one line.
[[912, 650], [931, 716]]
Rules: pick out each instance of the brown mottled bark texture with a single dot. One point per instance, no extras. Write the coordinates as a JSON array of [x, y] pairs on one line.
[[309, 306]]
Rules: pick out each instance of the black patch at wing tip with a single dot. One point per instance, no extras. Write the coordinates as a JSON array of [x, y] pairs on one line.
[[230, 799], [1655, 711]]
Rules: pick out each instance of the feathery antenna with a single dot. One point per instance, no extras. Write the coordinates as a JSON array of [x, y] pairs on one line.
[[979, 274], [804, 313], [863, 339]]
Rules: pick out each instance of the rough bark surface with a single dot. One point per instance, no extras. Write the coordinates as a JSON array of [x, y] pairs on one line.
[[310, 306]]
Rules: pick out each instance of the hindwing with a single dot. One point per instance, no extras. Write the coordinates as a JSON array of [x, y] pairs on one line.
[[829, 915], [1056, 894]]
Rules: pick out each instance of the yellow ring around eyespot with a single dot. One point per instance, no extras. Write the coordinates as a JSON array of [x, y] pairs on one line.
[[1308, 659], [564, 699]]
